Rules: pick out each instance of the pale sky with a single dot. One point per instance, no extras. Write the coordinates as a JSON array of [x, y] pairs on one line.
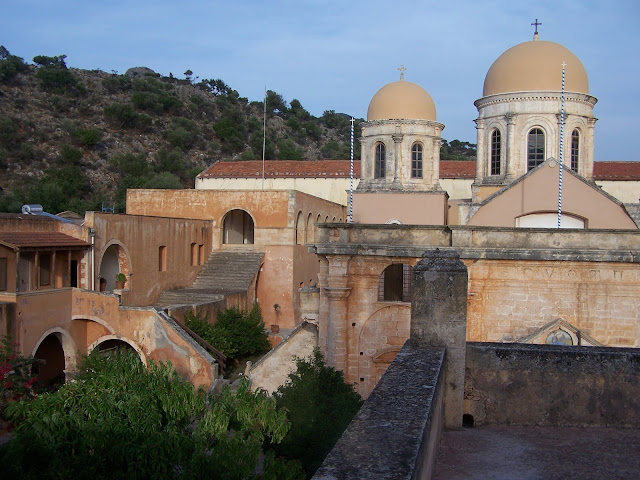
[[334, 55]]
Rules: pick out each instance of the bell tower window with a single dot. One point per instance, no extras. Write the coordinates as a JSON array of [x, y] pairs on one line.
[[535, 148], [416, 161], [495, 152], [379, 169], [575, 150]]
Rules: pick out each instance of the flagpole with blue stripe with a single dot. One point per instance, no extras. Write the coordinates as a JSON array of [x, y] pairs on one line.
[[561, 148]]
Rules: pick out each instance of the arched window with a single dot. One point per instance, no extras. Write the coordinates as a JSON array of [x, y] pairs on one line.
[[395, 283], [575, 150], [535, 148], [495, 152], [381, 157], [238, 227], [310, 230], [299, 229], [416, 161]]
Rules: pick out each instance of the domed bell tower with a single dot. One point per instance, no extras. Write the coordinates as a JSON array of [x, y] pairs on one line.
[[399, 178], [518, 124]]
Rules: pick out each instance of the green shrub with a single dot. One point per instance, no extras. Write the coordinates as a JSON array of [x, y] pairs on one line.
[[235, 333], [170, 161], [10, 66], [88, 137], [54, 75], [116, 83], [120, 419], [320, 406]]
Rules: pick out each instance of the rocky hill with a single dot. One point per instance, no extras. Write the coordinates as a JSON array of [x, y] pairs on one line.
[[75, 139]]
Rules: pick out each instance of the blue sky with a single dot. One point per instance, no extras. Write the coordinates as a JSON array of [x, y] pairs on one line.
[[334, 55]]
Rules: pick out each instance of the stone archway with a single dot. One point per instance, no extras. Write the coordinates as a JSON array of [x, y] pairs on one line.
[[109, 343], [115, 259], [381, 337], [238, 227], [56, 354]]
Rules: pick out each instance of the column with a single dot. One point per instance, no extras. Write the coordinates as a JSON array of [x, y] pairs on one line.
[[439, 319], [397, 156], [480, 155], [511, 147], [588, 150], [337, 293]]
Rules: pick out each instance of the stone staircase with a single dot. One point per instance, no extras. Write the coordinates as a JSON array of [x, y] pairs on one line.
[[224, 273]]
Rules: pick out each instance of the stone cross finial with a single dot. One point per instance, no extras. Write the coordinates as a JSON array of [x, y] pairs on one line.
[[564, 65], [536, 23], [401, 69]]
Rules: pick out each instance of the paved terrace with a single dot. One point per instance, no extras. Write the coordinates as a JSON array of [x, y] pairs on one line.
[[527, 453]]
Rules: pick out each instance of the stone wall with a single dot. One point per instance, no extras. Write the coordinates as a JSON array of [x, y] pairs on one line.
[[274, 368], [549, 385], [396, 432]]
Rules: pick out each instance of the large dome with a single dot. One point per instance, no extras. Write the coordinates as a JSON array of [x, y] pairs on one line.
[[536, 66], [399, 100]]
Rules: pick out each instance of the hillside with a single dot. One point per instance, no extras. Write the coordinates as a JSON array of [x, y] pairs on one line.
[[74, 139]]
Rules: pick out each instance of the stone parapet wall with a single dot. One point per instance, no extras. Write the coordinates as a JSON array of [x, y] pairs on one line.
[[396, 432], [550, 385]]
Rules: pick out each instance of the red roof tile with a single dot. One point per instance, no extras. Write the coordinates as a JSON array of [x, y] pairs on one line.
[[283, 169], [40, 239], [616, 170], [457, 169], [340, 169]]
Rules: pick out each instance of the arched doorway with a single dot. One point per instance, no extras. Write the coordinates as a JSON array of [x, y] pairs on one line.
[[237, 228], [114, 260], [109, 346], [50, 364]]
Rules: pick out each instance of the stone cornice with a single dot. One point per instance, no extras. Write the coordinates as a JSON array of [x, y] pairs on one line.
[[402, 121], [535, 97]]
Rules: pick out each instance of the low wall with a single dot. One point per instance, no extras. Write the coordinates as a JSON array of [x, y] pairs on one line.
[[551, 385], [274, 368], [395, 434], [241, 301]]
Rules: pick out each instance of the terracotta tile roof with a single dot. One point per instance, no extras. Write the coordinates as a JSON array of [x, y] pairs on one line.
[[616, 170], [457, 169], [340, 169], [283, 169], [40, 239]]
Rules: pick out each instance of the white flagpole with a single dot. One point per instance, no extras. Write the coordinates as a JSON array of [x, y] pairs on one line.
[[351, 175], [561, 148], [264, 132]]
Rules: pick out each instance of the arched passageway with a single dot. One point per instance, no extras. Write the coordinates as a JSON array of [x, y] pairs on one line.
[[237, 228], [114, 260], [109, 346], [50, 363]]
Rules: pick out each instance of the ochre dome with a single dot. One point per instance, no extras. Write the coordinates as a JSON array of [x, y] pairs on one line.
[[399, 100], [536, 66]]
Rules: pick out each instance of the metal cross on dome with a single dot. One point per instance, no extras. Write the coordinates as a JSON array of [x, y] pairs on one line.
[[401, 69], [536, 23]]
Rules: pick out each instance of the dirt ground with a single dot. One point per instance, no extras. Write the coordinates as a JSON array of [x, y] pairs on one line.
[[527, 453]]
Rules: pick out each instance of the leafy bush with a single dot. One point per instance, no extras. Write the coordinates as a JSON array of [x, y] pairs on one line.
[[320, 407], [88, 137], [125, 116], [237, 334], [54, 75], [16, 381], [164, 180], [119, 419], [170, 161], [116, 83], [10, 66]]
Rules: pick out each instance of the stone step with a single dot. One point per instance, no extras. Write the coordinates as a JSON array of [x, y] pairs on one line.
[[223, 273]]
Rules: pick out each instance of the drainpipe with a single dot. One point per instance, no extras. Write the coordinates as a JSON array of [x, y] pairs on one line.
[[92, 234]]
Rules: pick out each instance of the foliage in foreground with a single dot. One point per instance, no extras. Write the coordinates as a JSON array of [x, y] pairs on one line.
[[119, 419], [237, 334], [16, 380], [320, 407]]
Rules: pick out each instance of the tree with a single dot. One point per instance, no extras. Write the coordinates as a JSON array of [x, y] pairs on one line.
[[10, 65], [320, 405], [54, 74], [120, 419]]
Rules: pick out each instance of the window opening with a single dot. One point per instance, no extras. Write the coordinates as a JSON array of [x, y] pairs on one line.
[[575, 150], [416, 161], [395, 283], [495, 152], [380, 161], [162, 258], [535, 148], [45, 269]]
